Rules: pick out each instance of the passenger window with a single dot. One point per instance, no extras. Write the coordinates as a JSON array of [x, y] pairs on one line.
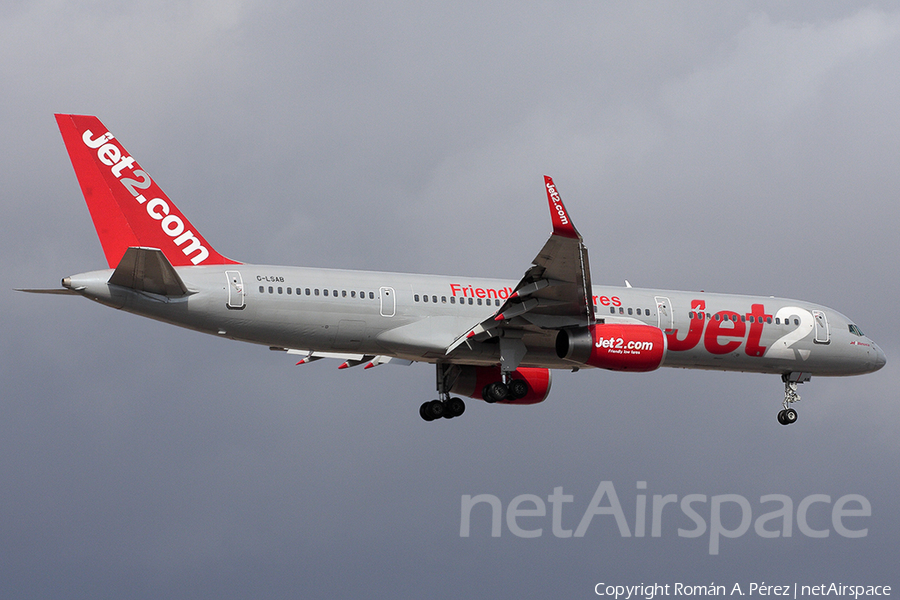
[[343, 293], [262, 290], [479, 302], [769, 320], [280, 290], [425, 298], [471, 301], [334, 292], [289, 291], [271, 290], [353, 293], [371, 295], [317, 291], [452, 299], [443, 299], [416, 297], [612, 310], [434, 299], [630, 312], [325, 292], [307, 291]]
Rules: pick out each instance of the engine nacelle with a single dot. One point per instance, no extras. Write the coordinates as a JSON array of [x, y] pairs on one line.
[[616, 347], [471, 382]]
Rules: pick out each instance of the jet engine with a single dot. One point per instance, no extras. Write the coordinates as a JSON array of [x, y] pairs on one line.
[[616, 347]]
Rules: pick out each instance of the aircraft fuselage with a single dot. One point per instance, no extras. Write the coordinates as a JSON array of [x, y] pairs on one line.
[[416, 317]]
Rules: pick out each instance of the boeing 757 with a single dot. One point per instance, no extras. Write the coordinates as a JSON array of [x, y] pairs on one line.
[[492, 339]]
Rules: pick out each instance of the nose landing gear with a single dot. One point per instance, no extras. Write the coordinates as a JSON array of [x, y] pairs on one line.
[[788, 415]]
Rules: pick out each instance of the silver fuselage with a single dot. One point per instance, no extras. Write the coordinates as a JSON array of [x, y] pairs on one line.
[[417, 317]]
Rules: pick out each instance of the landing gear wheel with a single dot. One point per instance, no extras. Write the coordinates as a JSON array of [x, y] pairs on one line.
[[432, 410], [495, 392], [787, 416], [790, 416], [454, 407], [518, 388], [791, 381]]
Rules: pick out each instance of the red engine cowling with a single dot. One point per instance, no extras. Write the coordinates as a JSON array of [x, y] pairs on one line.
[[471, 382], [617, 347]]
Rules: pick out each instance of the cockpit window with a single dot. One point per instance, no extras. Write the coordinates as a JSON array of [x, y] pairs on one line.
[[856, 330]]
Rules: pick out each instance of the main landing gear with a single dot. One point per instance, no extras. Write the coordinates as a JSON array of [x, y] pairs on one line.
[[504, 390], [448, 407], [445, 406], [788, 415]]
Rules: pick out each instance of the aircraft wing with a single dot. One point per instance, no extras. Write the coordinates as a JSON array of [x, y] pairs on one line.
[[554, 293]]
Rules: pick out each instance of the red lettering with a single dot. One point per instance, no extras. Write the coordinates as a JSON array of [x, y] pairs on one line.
[[690, 340], [616, 301], [716, 329], [470, 292], [728, 325], [757, 317]]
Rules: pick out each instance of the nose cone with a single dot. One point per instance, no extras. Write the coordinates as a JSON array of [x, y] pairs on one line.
[[880, 359]]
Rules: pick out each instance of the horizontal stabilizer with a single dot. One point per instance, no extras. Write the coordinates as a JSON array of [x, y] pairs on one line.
[[148, 270], [64, 291]]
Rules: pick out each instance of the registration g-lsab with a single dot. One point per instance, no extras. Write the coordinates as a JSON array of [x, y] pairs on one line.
[[488, 338]]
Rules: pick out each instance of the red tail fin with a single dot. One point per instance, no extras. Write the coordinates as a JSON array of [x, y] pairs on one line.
[[127, 207]]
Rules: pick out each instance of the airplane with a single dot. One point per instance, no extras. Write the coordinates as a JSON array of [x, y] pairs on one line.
[[492, 339]]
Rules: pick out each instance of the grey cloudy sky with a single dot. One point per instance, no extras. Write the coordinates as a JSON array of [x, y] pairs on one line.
[[747, 147]]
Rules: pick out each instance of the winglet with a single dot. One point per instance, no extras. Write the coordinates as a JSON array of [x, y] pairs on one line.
[[562, 223]]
